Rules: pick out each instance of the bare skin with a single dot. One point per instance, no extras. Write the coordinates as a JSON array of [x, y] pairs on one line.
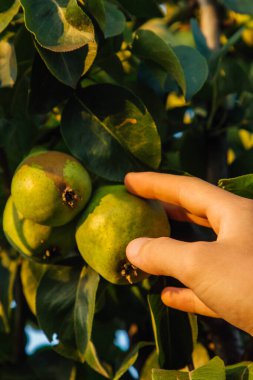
[[218, 275]]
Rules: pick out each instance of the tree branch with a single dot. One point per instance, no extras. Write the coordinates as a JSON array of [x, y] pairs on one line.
[[209, 23]]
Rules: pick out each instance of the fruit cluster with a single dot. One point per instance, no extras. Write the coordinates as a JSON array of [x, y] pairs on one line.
[[41, 218]]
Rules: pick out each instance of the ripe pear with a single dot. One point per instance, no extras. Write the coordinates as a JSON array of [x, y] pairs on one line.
[[50, 188], [40, 243], [112, 219]]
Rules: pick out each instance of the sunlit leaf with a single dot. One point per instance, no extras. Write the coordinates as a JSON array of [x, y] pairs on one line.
[[213, 370], [162, 374], [129, 360], [31, 274], [242, 185], [106, 126], [68, 67], [7, 11], [70, 28], [240, 371]]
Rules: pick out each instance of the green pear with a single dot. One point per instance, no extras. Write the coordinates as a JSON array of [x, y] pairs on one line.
[[111, 220], [50, 188], [41, 243]]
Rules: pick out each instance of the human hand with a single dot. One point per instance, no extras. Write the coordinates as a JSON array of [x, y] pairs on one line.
[[219, 274]]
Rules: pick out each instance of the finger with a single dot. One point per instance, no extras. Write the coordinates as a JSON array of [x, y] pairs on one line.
[[193, 194], [186, 300], [166, 256], [180, 214]]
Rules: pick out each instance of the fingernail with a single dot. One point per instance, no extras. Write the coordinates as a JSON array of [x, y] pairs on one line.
[[134, 247]]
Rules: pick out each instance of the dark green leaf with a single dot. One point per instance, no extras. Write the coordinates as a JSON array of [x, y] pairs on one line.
[[115, 21], [245, 6], [231, 69], [193, 152], [8, 272], [130, 359], [142, 8], [195, 69], [217, 56], [8, 9], [59, 296], [93, 361], [148, 46], [85, 307], [47, 93], [199, 39], [68, 67], [97, 9], [240, 371], [174, 349], [105, 126], [242, 185], [70, 28], [8, 64], [108, 16], [48, 365], [243, 164]]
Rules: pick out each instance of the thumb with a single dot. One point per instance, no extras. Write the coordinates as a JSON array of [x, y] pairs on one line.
[[164, 256]]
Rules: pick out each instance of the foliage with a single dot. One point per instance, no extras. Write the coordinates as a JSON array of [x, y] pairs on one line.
[[122, 85]]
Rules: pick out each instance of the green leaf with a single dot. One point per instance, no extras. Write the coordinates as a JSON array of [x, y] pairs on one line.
[[193, 152], [85, 307], [217, 56], [68, 67], [8, 64], [8, 9], [115, 20], [97, 9], [195, 69], [130, 360], [200, 39], [62, 296], [48, 365], [242, 185], [109, 17], [151, 362], [141, 8], [31, 274], [239, 6], [93, 361], [213, 370], [162, 374], [240, 371], [70, 28], [8, 272], [148, 46], [174, 349], [106, 126]]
